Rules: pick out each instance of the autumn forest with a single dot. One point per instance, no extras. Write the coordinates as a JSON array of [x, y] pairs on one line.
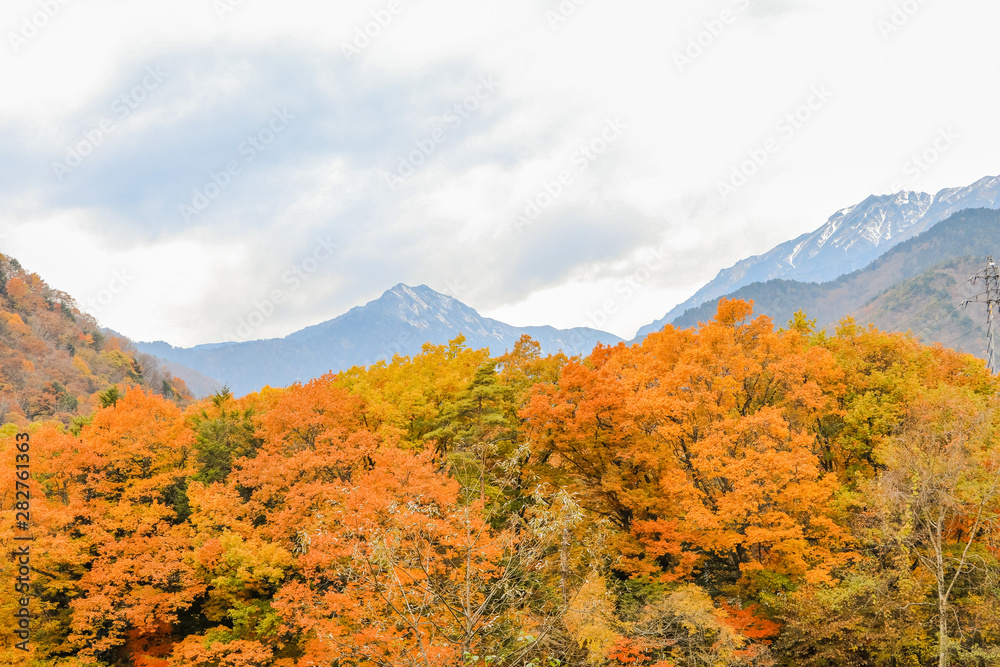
[[741, 493]]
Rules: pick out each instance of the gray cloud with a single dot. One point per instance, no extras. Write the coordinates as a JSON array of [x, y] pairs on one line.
[[200, 116]]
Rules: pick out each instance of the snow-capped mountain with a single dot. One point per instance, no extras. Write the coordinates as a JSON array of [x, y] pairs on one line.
[[398, 322], [851, 239]]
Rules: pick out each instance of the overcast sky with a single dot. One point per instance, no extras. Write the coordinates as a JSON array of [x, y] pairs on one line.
[[178, 165]]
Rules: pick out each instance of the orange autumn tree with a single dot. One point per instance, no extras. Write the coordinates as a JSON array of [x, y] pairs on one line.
[[111, 576], [333, 542], [398, 572], [696, 444], [132, 465], [250, 514]]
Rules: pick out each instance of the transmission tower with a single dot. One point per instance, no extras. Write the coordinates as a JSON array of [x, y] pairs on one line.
[[991, 297]]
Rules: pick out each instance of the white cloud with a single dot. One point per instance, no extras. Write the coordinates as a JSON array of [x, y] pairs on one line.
[[451, 222]]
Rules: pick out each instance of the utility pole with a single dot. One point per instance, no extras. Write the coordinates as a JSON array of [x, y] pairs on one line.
[[991, 297]]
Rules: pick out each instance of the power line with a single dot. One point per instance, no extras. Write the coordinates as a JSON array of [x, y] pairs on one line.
[[899, 327], [991, 297], [965, 335], [940, 318]]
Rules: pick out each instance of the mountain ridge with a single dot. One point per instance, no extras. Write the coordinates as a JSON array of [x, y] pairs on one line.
[[400, 321], [851, 239], [964, 239]]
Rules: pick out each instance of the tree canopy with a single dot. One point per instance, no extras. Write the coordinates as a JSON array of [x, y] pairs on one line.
[[731, 494]]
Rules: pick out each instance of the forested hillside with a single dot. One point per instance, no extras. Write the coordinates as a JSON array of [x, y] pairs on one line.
[[931, 306], [898, 291], [734, 494], [54, 360]]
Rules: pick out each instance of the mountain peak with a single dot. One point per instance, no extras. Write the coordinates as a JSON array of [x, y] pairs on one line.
[[404, 289], [400, 321], [420, 292], [420, 299]]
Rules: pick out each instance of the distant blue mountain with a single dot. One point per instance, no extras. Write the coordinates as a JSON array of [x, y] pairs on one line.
[[398, 322]]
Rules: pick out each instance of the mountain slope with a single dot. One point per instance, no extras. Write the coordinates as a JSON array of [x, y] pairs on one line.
[[893, 288], [55, 360], [851, 239], [929, 305], [199, 384], [398, 322]]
